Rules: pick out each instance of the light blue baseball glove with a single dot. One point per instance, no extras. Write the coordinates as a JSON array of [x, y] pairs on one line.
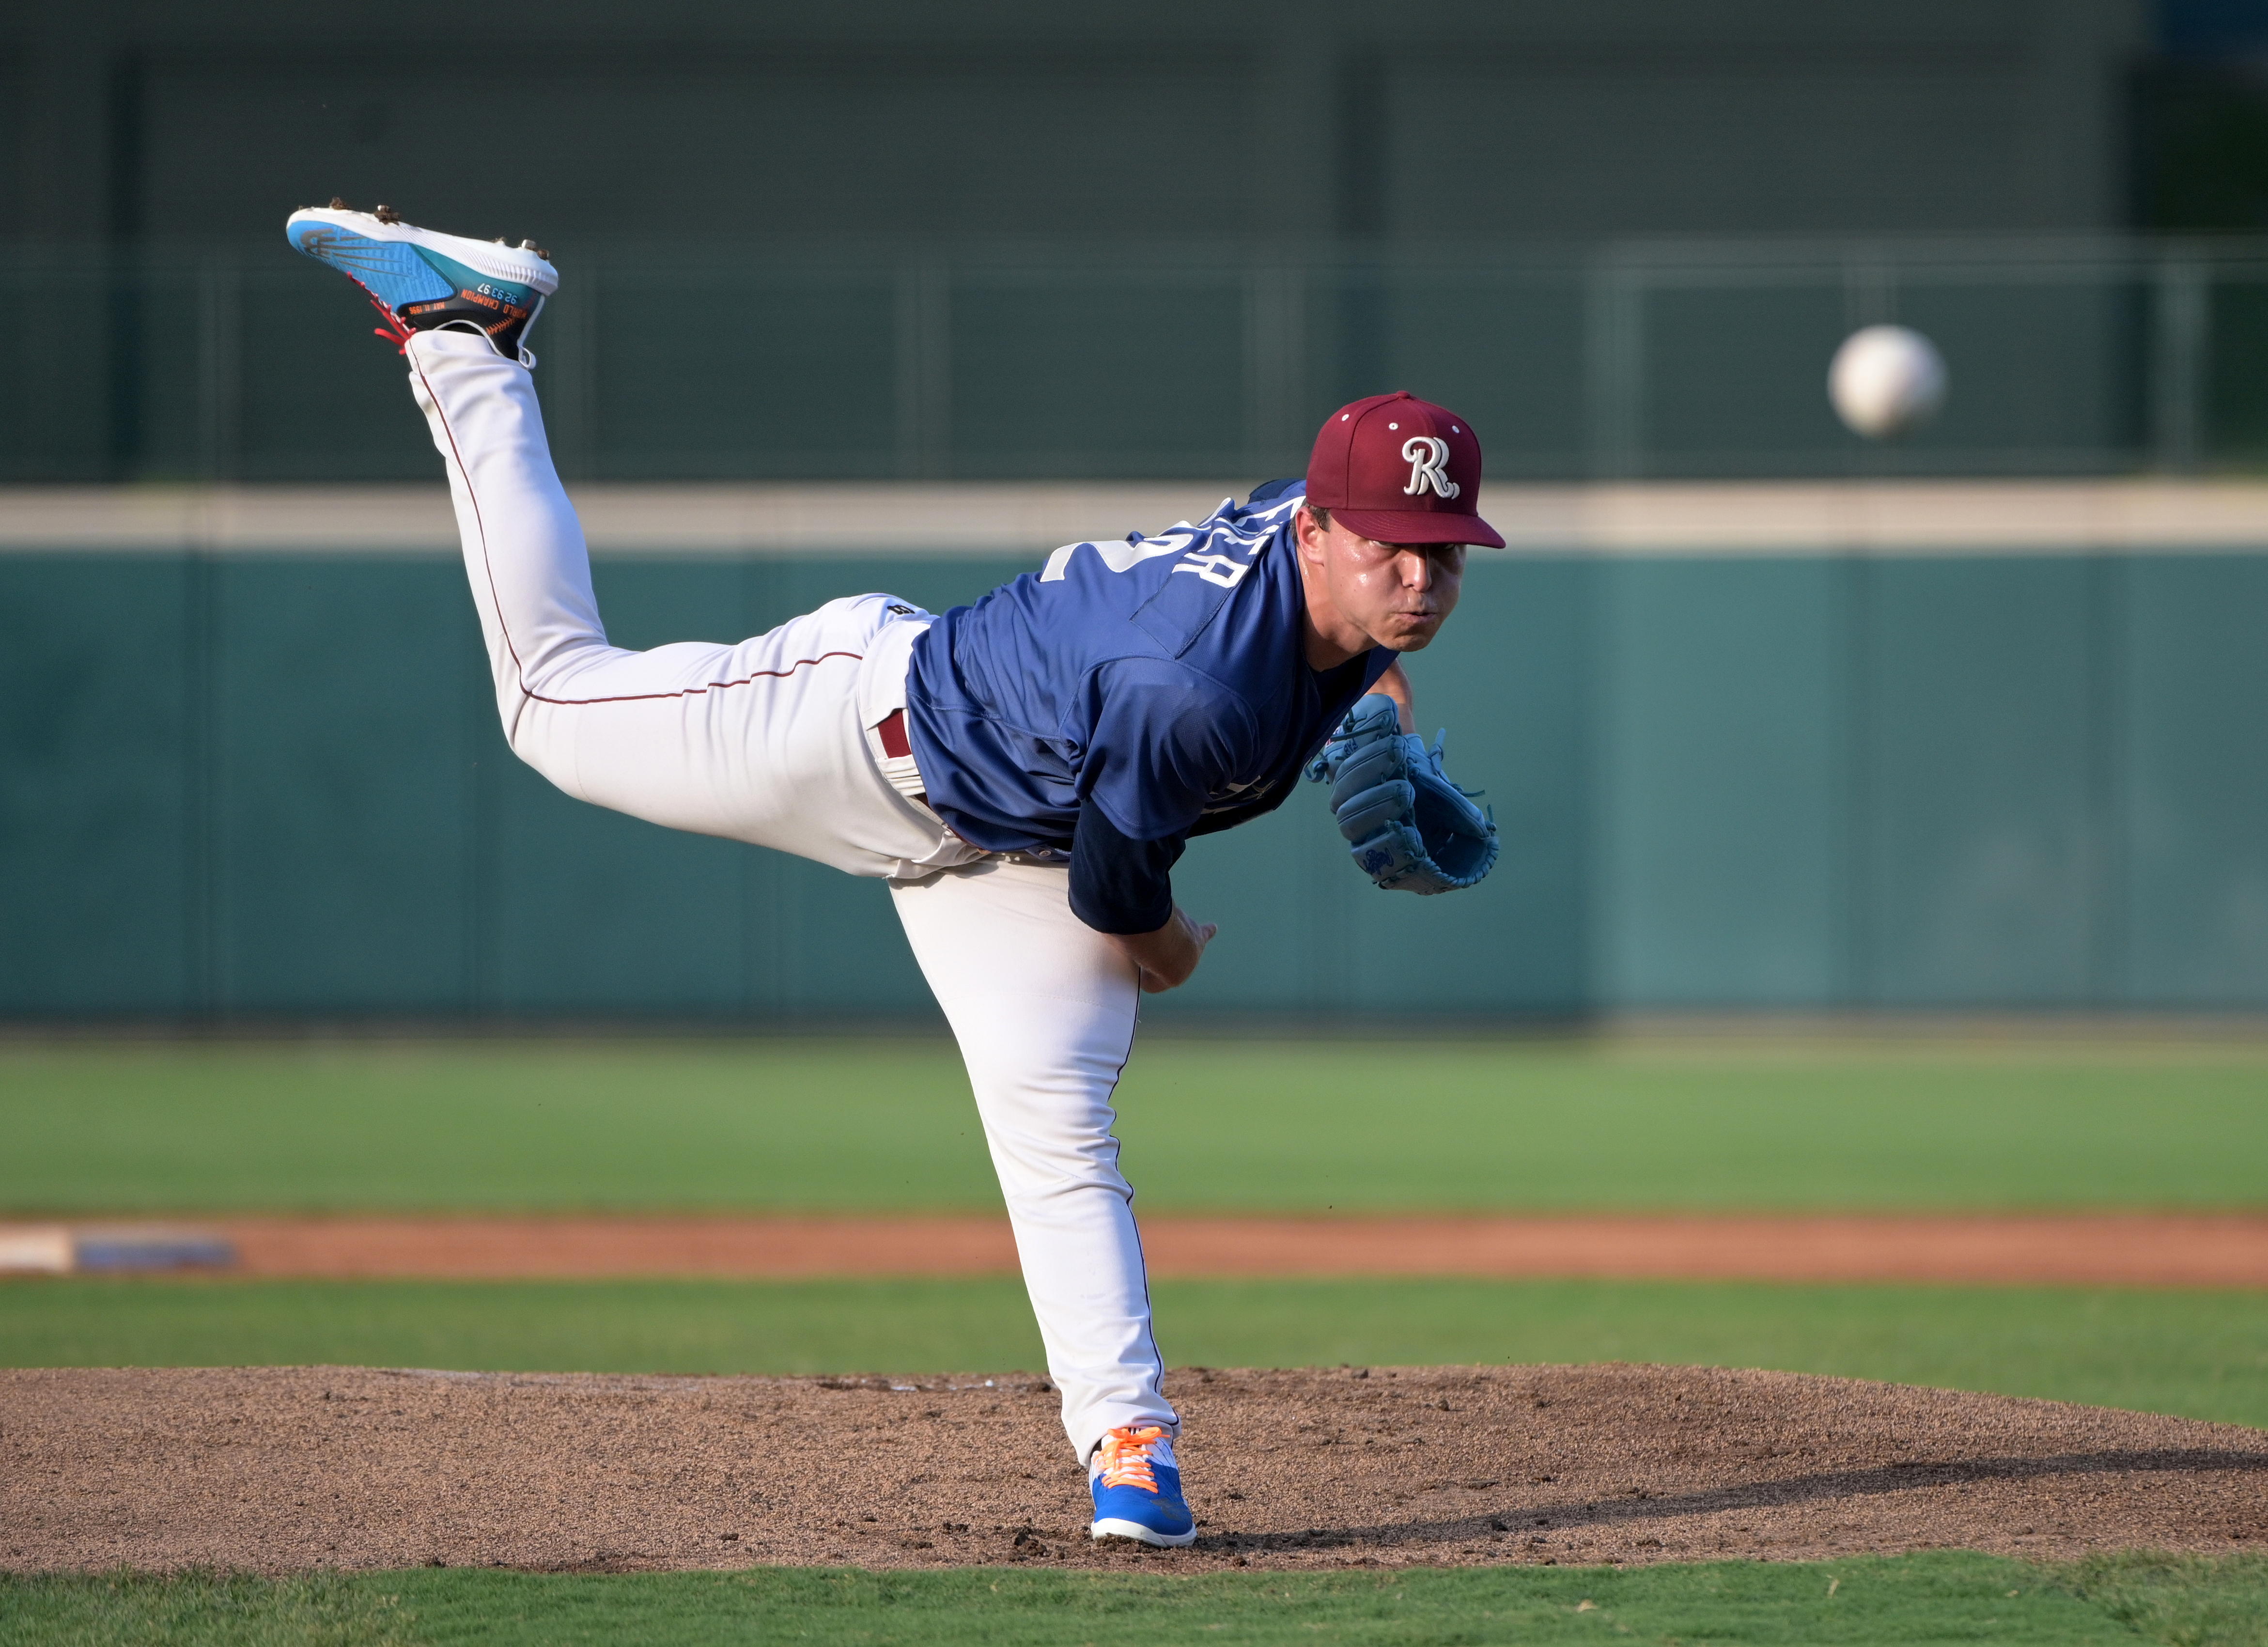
[[1408, 827]]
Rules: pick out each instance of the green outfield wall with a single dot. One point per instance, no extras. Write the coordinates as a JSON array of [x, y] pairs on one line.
[[272, 786]]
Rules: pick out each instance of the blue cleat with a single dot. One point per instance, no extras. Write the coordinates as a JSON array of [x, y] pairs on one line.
[[1138, 1490], [423, 282]]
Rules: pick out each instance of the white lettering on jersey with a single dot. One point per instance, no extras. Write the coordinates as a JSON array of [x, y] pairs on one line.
[[1119, 557], [1216, 569], [1249, 534], [1427, 455]]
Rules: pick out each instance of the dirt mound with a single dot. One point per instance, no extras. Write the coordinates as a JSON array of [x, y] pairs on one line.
[[293, 1467]]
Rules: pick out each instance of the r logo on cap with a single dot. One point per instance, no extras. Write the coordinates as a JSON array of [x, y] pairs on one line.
[[1429, 458]]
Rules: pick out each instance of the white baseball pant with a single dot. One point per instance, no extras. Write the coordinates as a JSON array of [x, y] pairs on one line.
[[771, 741]]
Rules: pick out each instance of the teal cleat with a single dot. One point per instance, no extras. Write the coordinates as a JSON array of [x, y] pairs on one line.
[[1138, 1490], [423, 282]]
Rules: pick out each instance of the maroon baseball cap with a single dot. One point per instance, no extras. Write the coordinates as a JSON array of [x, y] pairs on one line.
[[1401, 470]]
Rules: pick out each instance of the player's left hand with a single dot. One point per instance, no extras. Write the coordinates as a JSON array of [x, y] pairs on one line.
[[1409, 828]]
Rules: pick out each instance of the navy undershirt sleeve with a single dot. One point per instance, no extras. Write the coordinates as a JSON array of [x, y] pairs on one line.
[[1118, 884]]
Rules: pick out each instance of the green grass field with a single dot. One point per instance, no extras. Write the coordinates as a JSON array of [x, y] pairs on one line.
[[1208, 1124], [1912, 1600], [2202, 1355]]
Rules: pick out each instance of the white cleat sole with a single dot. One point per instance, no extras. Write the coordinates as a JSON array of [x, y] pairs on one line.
[[498, 262], [1111, 1527]]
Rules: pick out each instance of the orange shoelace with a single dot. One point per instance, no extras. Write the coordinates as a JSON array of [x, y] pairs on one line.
[[1126, 1456]]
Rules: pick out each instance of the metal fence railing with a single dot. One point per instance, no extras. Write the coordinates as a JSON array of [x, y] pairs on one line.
[[1683, 359]]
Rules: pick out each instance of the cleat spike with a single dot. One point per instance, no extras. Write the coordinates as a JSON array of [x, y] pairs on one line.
[[385, 214], [339, 205]]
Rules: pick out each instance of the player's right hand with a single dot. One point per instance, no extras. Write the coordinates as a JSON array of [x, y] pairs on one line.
[[1167, 956]]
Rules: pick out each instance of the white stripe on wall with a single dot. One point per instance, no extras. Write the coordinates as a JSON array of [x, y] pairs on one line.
[[892, 518]]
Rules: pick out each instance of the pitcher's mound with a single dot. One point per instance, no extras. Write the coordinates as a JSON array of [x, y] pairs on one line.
[[290, 1467]]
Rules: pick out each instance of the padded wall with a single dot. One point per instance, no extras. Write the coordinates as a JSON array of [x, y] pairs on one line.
[[273, 785]]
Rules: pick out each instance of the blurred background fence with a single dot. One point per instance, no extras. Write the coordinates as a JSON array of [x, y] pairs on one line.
[[1025, 247], [1096, 360]]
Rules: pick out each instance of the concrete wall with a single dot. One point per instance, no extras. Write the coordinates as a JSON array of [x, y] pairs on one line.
[[271, 783]]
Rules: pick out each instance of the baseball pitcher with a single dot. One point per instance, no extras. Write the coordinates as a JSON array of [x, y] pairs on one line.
[[1023, 772]]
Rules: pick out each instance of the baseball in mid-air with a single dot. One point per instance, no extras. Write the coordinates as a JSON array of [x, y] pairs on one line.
[[1886, 381]]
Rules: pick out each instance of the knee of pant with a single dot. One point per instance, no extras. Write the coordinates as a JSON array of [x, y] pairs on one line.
[[531, 749], [554, 762], [1068, 1088], [1043, 1150], [1034, 1164]]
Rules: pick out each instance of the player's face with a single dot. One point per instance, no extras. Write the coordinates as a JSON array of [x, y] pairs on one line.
[[1393, 595]]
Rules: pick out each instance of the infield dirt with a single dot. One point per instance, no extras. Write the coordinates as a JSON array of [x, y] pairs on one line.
[[282, 1469], [2103, 1249]]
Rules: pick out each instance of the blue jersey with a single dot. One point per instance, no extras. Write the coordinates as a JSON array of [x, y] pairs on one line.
[[1162, 680]]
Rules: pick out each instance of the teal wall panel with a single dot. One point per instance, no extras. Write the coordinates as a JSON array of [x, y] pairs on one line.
[[1982, 791], [275, 785], [1525, 716], [592, 912], [1283, 916], [1509, 680], [648, 603], [2194, 731], [838, 947], [1724, 730], [595, 912], [342, 838], [101, 870]]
